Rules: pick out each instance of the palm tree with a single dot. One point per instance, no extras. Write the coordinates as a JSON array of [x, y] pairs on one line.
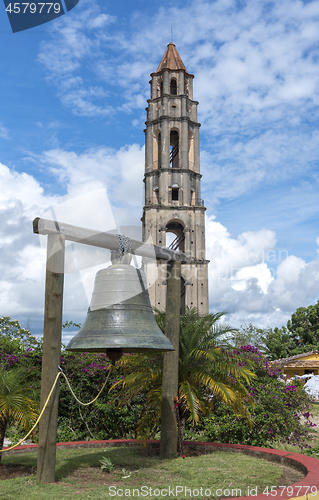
[[207, 372], [16, 403]]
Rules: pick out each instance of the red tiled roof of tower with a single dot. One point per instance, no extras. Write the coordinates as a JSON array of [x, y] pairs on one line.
[[171, 60]]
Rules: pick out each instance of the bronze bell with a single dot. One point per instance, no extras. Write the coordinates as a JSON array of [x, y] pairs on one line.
[[120, 317]]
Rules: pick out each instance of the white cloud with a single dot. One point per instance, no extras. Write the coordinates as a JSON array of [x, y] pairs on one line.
[[89, 179], [248, 279], [75, 39], [261, 272], [20, 189], [230, 255], [256, 80], [241, 272], [120, 171], [21, 265], [3, 132]]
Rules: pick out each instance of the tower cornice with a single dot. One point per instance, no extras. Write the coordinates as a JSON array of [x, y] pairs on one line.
[[158, 73], [157, 99], [185, 208], [178, 170], [172, 119]]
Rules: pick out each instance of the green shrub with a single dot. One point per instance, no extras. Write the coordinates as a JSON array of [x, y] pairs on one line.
[[279, 412]]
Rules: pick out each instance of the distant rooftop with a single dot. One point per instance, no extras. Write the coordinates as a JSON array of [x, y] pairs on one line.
[[294, 361]]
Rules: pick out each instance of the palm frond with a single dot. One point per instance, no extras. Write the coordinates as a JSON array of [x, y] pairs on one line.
[[206, 372]]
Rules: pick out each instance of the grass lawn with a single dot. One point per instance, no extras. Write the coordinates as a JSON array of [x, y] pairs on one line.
[[79, 475], [137, 473]]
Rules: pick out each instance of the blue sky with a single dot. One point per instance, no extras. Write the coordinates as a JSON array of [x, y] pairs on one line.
[[72, 113]]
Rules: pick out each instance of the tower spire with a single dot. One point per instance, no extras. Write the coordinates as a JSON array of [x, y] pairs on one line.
[[171, 60]]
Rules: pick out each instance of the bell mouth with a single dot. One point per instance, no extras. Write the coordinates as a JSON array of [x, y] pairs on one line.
[[114, 354]]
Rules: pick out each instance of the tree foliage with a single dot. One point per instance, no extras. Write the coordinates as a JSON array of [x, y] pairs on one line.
[[18, 401], [101, 420], [300, 335], [248, 335], [279, 412], [278, 343], [304, 327], [206, 372]]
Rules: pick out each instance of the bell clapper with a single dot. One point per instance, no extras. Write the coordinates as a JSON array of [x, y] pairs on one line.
[[114, 355]]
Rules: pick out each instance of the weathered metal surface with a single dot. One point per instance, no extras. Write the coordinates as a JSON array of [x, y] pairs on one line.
[[120, 315]]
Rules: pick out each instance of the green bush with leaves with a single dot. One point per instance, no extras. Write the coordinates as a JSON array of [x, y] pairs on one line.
[[205, 368], [18, 347], [279, 412], [101, 420], [20, 369], [17, 402], [20, 350]]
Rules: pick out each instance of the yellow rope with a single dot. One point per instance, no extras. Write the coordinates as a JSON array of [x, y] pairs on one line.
[[38, 420], [45, 405], [80, 402]]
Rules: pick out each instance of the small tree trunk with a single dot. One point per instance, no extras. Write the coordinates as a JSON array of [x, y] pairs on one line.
[[181, 432], [3, 428]]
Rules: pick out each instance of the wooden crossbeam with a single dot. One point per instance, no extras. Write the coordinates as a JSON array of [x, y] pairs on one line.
[[105, 240]]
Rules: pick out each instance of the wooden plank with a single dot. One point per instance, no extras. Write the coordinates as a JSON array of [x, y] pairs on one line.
[[51, 357], [168, 445], [105, 240]]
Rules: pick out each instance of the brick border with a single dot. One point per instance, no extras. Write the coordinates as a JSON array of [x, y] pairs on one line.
[[308, 465]]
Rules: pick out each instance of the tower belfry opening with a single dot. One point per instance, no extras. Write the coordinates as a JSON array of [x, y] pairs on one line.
[[172, 180], [174, 149]]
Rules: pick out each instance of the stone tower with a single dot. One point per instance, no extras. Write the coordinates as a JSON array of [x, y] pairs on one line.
[[172, 180]]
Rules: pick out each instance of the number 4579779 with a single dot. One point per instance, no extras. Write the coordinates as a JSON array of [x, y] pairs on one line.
[[33, 8]]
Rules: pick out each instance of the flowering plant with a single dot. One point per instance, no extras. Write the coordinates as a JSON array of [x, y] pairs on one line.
[[279, 412]]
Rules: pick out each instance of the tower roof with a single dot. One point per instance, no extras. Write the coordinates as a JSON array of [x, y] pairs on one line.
[[171, 60]]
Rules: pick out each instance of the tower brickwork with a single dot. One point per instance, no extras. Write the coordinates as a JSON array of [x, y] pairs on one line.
[[172, 180]]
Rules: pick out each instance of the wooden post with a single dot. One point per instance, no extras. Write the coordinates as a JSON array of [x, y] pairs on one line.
[[168, 446], [51, 357]]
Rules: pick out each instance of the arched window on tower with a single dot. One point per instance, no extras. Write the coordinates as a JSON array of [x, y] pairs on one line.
[[159, 88], [173, 86], [175, 240], [174, 149], [175, 192], [175, 237]]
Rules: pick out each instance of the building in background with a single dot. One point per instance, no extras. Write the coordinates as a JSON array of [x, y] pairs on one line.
[[172, 180], [301, 364]]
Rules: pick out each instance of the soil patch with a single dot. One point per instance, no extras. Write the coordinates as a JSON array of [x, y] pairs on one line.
[[13, 471], [290, 475]]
